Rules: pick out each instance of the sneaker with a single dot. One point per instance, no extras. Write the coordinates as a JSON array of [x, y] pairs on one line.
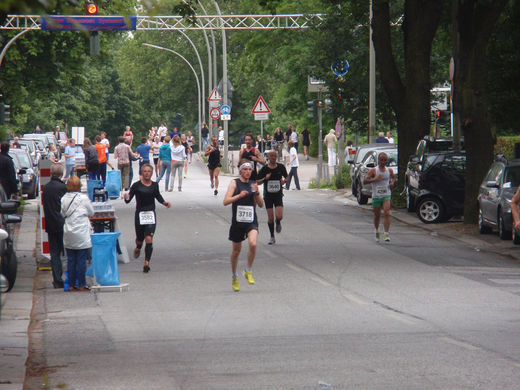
[[137, 252], [271, 241], [249, 277], [235, 284], [215, 192], [386, 237], [378, 236], [278, 227], [180, 189]]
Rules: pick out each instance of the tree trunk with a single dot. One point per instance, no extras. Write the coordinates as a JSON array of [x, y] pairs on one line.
[[473, 22], [410, 100]]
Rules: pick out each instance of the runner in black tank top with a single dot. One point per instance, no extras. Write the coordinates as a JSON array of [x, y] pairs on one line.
[[251, 154], [243, 194], [213, 153], [145, 192]]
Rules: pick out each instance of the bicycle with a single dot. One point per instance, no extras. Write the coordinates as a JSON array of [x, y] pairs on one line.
[[8, 259]]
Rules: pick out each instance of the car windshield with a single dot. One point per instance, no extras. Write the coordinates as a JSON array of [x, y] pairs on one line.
[[16, 162], [24, 160], [512, 176], [392, 158], [39, 143], [29, 145]]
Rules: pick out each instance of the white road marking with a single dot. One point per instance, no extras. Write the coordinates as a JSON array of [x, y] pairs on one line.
[[461, 344], [400, 318], [293, 267], [354, 298], [269, 253], [320, 281], [505, 281]]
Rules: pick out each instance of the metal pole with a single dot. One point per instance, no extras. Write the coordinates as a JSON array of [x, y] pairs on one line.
[[224, 88], [262, 130], [320, 145], [372, 85], [4, 50], [191, 67], [211, 75]]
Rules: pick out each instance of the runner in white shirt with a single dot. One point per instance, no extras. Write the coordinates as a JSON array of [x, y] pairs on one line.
[[163, 131], [382, 179], [294, 164]]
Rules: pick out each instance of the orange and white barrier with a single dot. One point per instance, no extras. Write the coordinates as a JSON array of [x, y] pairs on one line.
[[45, 177]]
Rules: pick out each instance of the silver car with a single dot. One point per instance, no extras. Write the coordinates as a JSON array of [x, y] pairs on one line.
[[358, 158]]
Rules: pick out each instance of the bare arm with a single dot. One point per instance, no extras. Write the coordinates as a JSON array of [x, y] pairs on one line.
[[370, 177], [514, 209], [392, 177], [229, 198]]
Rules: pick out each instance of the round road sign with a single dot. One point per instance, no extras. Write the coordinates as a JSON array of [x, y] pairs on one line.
[[214, 113]]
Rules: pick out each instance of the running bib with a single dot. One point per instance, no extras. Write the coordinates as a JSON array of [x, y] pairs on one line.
[[146, 218], [273, 186], [245, 214], [382, 191]]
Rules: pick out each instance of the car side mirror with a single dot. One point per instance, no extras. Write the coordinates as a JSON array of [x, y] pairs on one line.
[[491, 184], [414, 159], [9, 207]]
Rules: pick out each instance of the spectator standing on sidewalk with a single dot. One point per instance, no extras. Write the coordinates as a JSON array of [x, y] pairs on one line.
[[294, 138], [106, 142], [70, 158], [76, 209], [204, 134], [122, 153], [51, 199], [330, 142], [91, 158], [381, 138], [389, 137], [7, 172], [144, 151], [294, 164]]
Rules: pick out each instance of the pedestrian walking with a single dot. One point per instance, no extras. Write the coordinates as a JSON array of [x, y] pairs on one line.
[[220, 137], [165, 161], [214, 155], [252, 154], [294, 163], [52, 193], [91, 159], [122, 153], [76, 210], [178, 157], [156, 145], [306, 142], [143, 151], [382, 180], [273, 176], [128, 134], [187, 150], [146, 192], [244, 196], [330, 141], [294, 138], [278, 141]]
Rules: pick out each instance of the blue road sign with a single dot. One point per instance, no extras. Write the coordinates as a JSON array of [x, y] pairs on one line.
[[225, 109], [89, 23]]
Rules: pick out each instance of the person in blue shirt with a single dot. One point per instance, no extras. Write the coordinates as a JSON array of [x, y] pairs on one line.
[[381, 138], [165, 157], [175, 132], [144, 151], [70, 158]]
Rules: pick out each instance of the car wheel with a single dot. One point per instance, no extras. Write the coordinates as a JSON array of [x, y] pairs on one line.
[[516, 237], [354, 188], [430, 210], [483, 229], [361, 199], [9, 269], [503, 233], [410, 200]]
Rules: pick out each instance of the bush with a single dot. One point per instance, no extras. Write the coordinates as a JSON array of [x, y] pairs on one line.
[[343, 179], [505, 146]]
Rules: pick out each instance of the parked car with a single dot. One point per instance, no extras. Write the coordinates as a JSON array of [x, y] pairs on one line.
[[62, 140], [494, 198], [361, 151], [364, 191], [28, 175], [437, 189], [30, 145], [40, 144]]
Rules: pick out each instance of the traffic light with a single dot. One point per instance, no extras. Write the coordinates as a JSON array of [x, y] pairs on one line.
[[442, 117], [92, 8], [4, 113], [313, 110]]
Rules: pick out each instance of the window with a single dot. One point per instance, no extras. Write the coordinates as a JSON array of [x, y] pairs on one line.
[[512, 175]]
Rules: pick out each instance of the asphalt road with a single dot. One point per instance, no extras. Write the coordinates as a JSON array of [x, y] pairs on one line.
[[331, 309]]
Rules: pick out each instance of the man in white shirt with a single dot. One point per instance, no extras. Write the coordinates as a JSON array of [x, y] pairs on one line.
[[294, 164], [163, 131], [105, 141], [389, 137], [330, 141]]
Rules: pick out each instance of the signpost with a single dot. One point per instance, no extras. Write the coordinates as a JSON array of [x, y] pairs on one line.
[[214, 98], [215, 113], [225, 112], [261, 112]]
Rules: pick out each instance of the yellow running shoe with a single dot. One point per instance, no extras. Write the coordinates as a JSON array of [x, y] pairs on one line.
[[235, 284], [249, 277]]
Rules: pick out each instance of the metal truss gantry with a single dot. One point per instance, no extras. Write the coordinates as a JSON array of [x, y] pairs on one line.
[[195, 22]]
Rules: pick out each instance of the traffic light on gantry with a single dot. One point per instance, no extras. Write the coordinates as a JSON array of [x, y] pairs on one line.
[[92, 8]]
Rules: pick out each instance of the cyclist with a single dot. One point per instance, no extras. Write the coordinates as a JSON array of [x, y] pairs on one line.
[[145, 191]]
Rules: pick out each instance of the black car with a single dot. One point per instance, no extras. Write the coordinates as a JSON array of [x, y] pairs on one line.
[[435, 188], [27, 173], [494, 198]]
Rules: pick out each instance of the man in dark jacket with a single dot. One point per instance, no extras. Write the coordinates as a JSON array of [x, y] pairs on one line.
[[51, 199], [7, 172]]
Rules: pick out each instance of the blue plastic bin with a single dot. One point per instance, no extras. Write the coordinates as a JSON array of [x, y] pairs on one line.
[[91, 184], [113, 184], [104, 259]]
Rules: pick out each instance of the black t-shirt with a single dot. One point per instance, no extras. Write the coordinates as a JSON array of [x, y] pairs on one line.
[[214, 158], [243, 206], [145, 196], [278, 136], [248, 154], [272, 187], [204, 132], [306, 137]]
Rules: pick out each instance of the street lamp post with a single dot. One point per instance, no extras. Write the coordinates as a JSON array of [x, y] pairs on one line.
[[193, 70]]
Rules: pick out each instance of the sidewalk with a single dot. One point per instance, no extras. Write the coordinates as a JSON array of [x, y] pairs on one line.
[[17, 304]]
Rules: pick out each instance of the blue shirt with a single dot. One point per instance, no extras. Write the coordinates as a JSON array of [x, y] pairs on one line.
[[72, 151], [144, 151], [165, 152]]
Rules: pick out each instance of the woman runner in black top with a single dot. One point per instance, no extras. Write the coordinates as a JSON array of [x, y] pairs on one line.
[[273, 176], [251, 154], [243, 194], [145, 192], [213, 154]]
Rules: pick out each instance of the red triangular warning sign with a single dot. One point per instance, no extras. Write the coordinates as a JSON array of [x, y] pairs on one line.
[[214, 96], [261, 107]]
